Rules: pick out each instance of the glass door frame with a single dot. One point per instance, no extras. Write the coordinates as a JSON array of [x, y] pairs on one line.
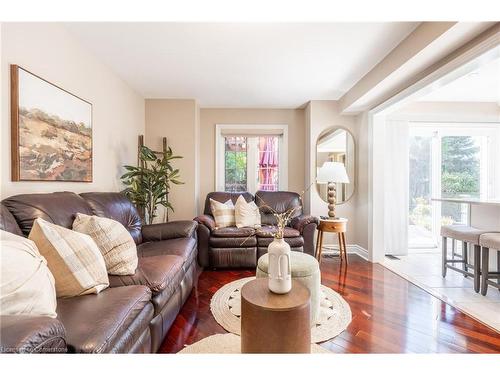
[[489, 159]]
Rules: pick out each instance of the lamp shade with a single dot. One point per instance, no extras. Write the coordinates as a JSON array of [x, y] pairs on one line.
[[332, 171]]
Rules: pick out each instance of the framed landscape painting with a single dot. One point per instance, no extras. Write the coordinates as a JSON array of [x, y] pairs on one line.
[[51, 131]]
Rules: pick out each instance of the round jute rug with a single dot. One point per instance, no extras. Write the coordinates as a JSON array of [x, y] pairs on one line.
[[228, 343], [334, 317]]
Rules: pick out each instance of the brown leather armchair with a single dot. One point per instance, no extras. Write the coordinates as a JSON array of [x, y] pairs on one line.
[[234, 247]]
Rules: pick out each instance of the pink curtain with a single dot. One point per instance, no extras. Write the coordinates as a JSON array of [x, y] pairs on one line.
[[268, 163]]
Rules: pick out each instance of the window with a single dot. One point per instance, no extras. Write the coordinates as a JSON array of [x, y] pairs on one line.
[[251, 161], [455, 160], [235, 164], [268, 167]]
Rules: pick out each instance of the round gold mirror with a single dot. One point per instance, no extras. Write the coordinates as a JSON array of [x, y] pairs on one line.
[[335, 164]]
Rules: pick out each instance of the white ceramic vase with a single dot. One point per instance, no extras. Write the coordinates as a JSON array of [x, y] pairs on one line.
[[280, 271]]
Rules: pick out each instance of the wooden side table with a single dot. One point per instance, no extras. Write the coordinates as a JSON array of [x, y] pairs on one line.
[[275, 323], [338, 226]]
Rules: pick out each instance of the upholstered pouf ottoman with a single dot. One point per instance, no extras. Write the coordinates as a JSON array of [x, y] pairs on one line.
[[305, 268]]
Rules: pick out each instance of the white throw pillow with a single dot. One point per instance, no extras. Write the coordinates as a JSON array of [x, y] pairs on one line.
[[27, 287], [113, 240], [246, 214], [223, 213], [73, 258]]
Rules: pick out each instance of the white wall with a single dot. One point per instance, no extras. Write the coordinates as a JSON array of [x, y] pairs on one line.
[[50, 51], [448, 112]]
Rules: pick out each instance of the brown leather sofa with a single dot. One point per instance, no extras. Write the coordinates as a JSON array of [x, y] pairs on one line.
[[234, 247], [134, 314]]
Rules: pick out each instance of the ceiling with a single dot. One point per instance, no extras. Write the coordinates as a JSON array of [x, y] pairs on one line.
[[480, 85], [275, 65], [335, 142]]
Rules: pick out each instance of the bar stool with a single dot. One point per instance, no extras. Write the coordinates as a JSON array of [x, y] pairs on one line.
[[489, 241], [467, 235]]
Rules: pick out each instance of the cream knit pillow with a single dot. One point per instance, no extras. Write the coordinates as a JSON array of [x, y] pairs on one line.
[[27, 287], [114, 241], [73, 258], [246, 214], [223, 213]]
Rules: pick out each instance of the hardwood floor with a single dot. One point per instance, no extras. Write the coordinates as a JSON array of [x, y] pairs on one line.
[[390, 315]]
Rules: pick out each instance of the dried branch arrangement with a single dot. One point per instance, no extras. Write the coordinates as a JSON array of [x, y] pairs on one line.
[[282, 219]]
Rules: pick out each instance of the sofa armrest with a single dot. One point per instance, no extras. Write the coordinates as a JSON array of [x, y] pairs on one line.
[[206, 220], [31, 334], [301, 221], [166, 231]]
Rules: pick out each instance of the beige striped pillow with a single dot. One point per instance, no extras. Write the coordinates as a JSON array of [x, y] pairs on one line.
[[73, 258], [223, 213], [114, 241]]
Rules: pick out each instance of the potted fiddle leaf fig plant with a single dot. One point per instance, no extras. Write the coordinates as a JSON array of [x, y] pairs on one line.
[[148, 184]]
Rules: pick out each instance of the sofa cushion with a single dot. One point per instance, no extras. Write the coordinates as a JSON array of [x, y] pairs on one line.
[[231, 232], [111, 321], [268, 231], [277, 201], [32, 334], [59, 208], [155, 272], [162, 274], [118, 207], [183, 247]]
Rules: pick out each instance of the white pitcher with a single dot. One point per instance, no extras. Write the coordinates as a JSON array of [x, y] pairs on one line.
[[280, 270]]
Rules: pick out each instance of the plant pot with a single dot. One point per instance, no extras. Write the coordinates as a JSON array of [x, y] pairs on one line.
[[280, 270]]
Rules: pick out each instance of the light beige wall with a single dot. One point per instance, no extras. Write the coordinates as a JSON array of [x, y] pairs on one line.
[[49, 51], [294, 118], [324, 114], [177, 120]]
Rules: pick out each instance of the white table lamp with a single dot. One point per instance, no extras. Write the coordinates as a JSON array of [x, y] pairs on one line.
[[332, 172]]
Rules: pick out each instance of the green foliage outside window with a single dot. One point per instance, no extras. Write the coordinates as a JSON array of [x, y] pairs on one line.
[[460, 177]]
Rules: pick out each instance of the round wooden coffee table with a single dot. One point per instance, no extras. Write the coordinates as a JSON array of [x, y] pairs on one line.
[[275, 323]]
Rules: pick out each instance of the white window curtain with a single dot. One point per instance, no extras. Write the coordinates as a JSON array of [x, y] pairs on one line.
[[396, 187]]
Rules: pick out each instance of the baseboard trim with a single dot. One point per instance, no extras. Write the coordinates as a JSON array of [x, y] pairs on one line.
[[351, 249]]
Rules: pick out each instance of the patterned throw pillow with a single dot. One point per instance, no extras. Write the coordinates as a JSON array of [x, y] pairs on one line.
[[73, 258], [27, 287], [114, 241], [246, 214], [223, 213]]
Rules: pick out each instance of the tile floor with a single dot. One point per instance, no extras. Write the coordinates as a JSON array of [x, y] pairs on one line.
[[424, 270]]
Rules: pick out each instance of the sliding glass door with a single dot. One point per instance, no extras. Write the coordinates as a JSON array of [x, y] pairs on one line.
[[448, 161], [420, 229]]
